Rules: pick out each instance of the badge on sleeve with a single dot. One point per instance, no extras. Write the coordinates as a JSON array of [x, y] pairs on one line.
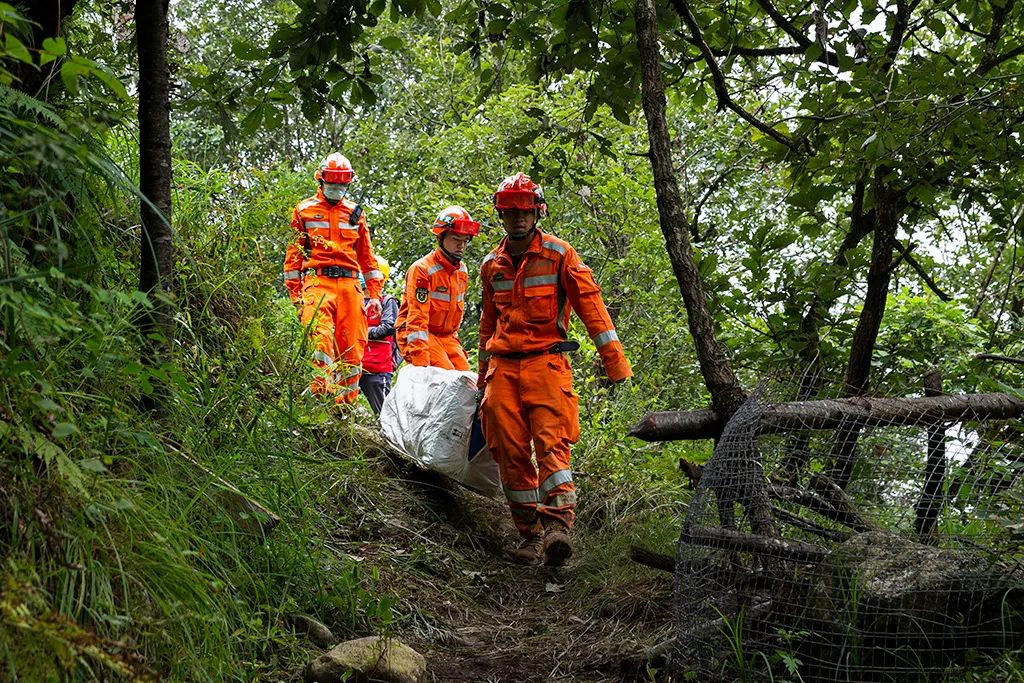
[[421, 294]]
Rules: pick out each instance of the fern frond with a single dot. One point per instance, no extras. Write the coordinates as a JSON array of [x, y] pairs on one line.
[[15, 100]]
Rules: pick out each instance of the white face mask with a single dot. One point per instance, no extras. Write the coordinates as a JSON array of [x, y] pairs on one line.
[[335, 192]]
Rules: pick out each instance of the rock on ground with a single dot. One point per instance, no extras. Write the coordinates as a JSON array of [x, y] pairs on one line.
[[383, 660]]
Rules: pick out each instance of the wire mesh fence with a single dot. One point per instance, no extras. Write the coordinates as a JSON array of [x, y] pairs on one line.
[[883, 547]]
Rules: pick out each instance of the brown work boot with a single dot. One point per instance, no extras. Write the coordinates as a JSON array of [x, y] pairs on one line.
[[530, 551], [557, 547]]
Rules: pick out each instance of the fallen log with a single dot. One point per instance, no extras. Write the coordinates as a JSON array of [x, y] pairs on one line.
[[842, 503], [764, 546], [822, 507], [832, 413], [809, 526], [649, 558]]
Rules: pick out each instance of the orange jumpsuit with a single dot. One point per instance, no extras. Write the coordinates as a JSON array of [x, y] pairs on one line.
[[428, 321], [321, 270], [528, 393]]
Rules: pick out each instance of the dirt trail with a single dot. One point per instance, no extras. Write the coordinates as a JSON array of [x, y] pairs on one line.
[[480, 618]]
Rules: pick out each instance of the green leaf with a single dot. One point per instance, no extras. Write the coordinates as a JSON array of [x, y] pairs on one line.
[[93, 465], [16, 49], [243, 49], [619, 112], [498, 26], [62, 429], [252, 120], [392, 43], [52, 49]]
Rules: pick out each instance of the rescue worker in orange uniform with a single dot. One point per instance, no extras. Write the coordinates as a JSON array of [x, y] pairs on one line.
[[321, 270], [435, 296], [530, 282]]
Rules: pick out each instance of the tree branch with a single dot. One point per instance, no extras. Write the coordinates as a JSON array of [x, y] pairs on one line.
[[763, 546], [745, 51], [830, 414], [909, 258], [999, 358], [995, 33], [725, 100], [785, 24]]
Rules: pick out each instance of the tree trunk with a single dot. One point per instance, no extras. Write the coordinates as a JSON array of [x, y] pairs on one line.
[[157, 256], [726, 392], [861, 224], [833, 413], [930, 503], [862, 347]]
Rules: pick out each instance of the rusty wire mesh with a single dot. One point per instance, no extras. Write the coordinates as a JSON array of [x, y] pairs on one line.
[[894, 559]]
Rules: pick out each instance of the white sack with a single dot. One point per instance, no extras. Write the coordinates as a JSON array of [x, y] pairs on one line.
[[428, 416]]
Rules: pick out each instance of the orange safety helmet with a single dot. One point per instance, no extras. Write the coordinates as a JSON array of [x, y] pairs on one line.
[[519, 192], [335, 169], [456, 219]]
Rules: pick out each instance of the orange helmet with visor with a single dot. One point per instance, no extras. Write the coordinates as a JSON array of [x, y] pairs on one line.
[[456, 219]]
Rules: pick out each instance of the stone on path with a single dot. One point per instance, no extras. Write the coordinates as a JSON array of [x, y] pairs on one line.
[[383, 660]]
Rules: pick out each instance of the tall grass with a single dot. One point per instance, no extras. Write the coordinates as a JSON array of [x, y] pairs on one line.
[[119, 559]]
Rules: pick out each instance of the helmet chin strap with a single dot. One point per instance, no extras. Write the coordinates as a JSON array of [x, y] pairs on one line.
[[527, 236], [455, 259]]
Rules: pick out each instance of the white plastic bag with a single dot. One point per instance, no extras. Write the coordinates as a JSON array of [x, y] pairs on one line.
[[428, 415]]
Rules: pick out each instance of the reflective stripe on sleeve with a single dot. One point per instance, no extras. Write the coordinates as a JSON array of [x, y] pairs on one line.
[[317, 224], [461, 296], [554, 246], [605, 337], [502, 285], [434, 268], [527, 496], [541, 280], [490, 257], [463, 268], [322, 357], [348, 226], [440, 296], [292, 274], [556, 479], [373, 275], [418, 334]]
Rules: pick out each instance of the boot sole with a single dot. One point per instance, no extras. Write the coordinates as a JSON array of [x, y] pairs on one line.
[[522, 562], [557, 552]]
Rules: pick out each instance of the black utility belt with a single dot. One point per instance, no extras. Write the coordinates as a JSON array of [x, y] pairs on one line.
[[332, 271], [560, 347]]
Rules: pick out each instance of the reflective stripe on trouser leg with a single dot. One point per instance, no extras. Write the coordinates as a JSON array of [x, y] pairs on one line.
[[318, 307], [350, 333], [508, 439], [346, 380], [553, 414]]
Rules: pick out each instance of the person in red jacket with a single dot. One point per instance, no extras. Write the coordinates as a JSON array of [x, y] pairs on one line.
[[435, 296], [531, 282], [379, 359], [321, 268]]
